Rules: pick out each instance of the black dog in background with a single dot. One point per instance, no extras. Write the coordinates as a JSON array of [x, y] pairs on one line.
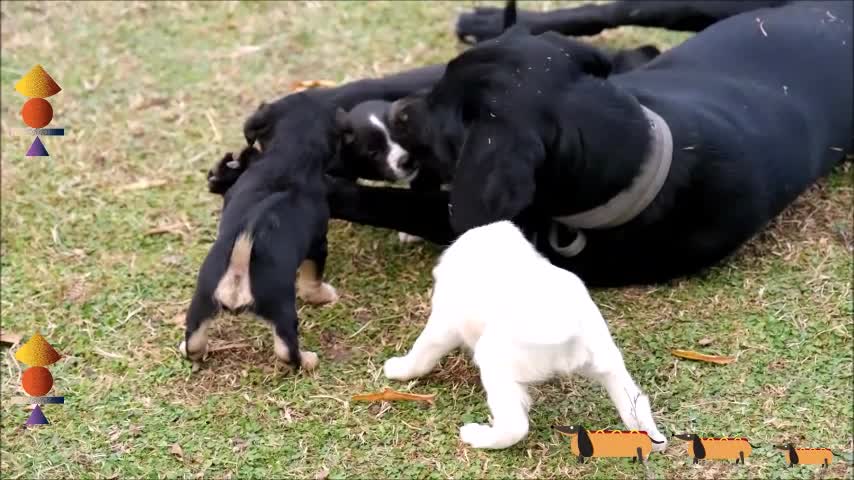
[[590, 19], [664, 170], [274, 222]]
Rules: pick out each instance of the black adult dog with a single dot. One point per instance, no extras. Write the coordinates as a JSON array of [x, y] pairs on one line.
[[274, 222], [754, 109], [685, 15]]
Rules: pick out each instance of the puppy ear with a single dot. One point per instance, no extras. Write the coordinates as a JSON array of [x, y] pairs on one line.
[[495, 175], [259, 124], [344, 126]]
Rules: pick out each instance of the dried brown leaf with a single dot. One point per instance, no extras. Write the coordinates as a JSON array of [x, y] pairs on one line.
[[11, 338], [702, 357], [302, 85], [389, 395], [176, 450]]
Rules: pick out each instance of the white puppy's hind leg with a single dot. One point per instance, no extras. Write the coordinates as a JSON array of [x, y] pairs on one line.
[[508, 403], [436, 341], [631, 403]]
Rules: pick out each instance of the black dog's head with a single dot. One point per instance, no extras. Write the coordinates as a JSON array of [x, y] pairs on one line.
[[488, 121], [367, 150]]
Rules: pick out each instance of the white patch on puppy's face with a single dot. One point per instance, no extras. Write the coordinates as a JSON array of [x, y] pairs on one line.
[[396, 156]]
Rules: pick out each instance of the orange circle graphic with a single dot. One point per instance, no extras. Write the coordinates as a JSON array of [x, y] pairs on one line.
[[37, 112], [37, 381]]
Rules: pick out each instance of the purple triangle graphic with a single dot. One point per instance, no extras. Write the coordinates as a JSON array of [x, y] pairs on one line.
[[37, 149], [37, 417]]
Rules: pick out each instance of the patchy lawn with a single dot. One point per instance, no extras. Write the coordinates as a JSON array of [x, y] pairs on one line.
[[159, 91]]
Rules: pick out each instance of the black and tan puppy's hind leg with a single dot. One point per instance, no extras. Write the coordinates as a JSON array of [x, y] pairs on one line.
[[285, 325], [310, 285], [203, 309]]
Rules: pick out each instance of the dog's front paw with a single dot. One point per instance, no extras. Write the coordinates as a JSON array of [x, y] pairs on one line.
[[658, 447], [407, 238], [323, 294], [397, 368], [477, 435], [223, 175], [479, 25]]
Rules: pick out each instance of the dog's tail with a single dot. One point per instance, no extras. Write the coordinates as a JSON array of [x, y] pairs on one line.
[[509, 14], [234, 289]]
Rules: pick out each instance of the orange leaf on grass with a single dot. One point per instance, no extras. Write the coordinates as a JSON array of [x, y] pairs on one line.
[[390, 395], [702, 357], [299, 86]]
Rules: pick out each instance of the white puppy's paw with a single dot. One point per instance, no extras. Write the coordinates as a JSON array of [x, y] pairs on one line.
[[659, 447], [397, 368], [407, 238], [477, 435]]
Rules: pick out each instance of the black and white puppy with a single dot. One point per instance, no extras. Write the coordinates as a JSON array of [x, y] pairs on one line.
[[368, 152], [273, 224]]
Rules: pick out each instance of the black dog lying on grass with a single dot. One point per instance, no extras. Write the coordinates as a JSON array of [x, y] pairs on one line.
[[274, 222], [485, 23], [662, 171]]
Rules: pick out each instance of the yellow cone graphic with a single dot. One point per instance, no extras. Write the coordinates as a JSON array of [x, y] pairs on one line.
[[37, 84], [37, 352]]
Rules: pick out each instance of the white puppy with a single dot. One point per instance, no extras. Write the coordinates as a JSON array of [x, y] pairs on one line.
[[526, 322]]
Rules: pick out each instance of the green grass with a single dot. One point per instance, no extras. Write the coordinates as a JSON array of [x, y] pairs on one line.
[[159, 91]]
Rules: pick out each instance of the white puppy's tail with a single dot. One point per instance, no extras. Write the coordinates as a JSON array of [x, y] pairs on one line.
[[233, 290]]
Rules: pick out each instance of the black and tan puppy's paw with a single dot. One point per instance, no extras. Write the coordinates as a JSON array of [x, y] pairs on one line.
[[222, 176]]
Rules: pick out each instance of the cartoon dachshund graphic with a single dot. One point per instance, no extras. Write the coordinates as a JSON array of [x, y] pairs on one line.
[[806, 456], [634, 444], [717, 448]]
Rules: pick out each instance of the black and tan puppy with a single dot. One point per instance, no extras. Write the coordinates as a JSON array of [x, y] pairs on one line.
[[274, 223]]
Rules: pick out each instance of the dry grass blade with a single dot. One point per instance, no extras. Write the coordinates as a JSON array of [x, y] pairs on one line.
[[702, 357], [227, 346], [178, 228], [142, 184], [389, 395]]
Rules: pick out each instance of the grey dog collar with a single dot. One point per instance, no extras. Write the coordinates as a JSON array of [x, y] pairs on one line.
[[629, 203]]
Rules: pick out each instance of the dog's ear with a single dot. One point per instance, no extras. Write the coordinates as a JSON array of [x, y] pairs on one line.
[[495, 175], [259, 124], [592, 60], [344, 125]]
